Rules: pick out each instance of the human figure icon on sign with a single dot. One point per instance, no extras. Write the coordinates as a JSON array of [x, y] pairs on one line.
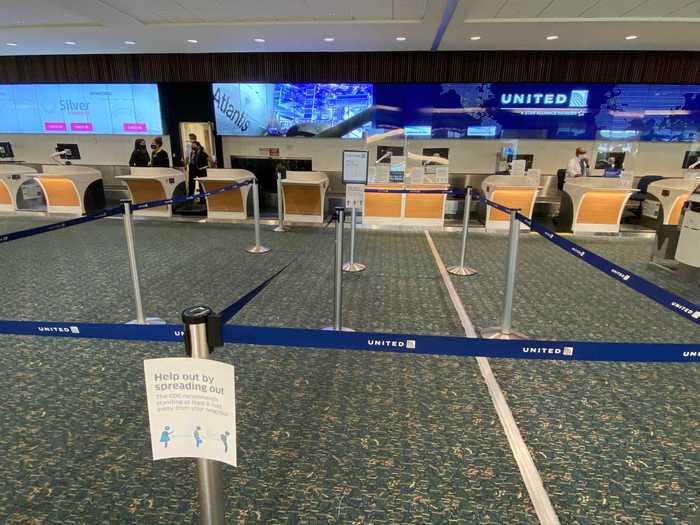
[[198, 437], [165, 436], [224, 440]]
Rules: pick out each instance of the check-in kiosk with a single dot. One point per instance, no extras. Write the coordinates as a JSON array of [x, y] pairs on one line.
[[594, 204], [152, 184], [688, 252], [666, 198], [12, 176], [71, 189], [304, 196], [231, 204], [512, 191]]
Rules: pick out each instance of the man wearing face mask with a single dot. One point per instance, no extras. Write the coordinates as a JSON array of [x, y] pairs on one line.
[[199, 162], [579, 165], [159, 157], [139, 157], [191, 139]]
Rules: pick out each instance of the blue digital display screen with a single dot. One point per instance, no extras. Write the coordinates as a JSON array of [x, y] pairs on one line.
[[124, 109], [646, 112]]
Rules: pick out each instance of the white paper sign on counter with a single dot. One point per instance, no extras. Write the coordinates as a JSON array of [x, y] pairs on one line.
[[191, 408]]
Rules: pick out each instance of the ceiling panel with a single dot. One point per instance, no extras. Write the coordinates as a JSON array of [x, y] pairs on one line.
[[410, 9], [658, 8], [691, 9], [523, 8], [611, 8], [567, 8], [37, 12], [478, 9]]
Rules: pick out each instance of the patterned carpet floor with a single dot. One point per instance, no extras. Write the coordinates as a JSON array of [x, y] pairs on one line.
[[343, 437]]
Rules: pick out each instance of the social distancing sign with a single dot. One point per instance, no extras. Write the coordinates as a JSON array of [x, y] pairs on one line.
[[191, 408]]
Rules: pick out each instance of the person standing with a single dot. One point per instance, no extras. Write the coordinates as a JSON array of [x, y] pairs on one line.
[[139, 157], [191, 139], [578, 166], [159, 157], [199, 162]]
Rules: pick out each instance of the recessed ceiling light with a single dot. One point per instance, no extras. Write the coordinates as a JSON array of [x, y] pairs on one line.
[[70, 43], [474, 38], [259, 40], [329, 39], [193, 41], [11, 44], [552, 37], [631, 37], [401, 38], [129, 42]]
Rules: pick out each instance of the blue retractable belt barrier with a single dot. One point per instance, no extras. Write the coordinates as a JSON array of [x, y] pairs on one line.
[[117, 210], [179, 200], [235, 307], [428, 192], [60, 225], [671, 301], [374, 342]]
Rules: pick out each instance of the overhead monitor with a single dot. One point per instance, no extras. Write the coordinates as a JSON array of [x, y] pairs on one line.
[[690, 158], [6, 151], [528, 158], [355, 167], [601, 160], [71, 151], [123, 109]]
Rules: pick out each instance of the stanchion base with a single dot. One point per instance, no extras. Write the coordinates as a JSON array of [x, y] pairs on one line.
[[496, 332], [464, 271], [280, 229], [332, 329], [149, 320], [354, 267], [258, 249]]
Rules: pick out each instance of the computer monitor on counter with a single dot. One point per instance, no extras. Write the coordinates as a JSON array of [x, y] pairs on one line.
[[691, 160], [601, 160], [527, 157], [6, 151]]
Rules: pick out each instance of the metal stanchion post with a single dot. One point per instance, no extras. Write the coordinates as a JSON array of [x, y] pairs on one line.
[[505, 331], [461, 269], [280, 205], [338, 281], [133, 268], [258, 248], [353, 266], [211, 492]]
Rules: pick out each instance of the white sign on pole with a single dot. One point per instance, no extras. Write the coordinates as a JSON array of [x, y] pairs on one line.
[[191, 408], [354, 195], [355, 164]]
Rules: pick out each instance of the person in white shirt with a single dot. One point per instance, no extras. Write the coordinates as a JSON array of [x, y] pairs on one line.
[[578, 166]]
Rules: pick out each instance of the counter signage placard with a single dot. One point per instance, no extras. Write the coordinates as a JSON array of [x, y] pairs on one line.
[[355, 167], [191, 409]]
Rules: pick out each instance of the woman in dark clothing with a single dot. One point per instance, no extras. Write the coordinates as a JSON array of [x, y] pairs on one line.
[[139, 157], [199, 162], [159, 157]]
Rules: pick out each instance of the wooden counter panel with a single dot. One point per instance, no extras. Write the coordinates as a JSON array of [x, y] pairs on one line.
[[424, 206], [601, 207], [382, 205], [60, 192], [231, 201], [520, 198], [4, 194], [675, 216], [302, 199], [145, 190]]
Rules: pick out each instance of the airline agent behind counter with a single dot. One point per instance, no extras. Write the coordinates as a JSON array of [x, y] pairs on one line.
[[578, 166], [199, 162], [159, 157]]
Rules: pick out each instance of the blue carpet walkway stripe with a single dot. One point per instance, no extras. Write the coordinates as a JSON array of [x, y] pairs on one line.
[[374, 342]]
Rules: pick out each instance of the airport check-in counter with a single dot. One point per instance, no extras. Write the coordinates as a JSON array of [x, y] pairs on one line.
[[231, 204], [12, 176], [666, 198], [512, 191], [152, 184], [304, 196], [71, 189], [419, 209], [594, 204]]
